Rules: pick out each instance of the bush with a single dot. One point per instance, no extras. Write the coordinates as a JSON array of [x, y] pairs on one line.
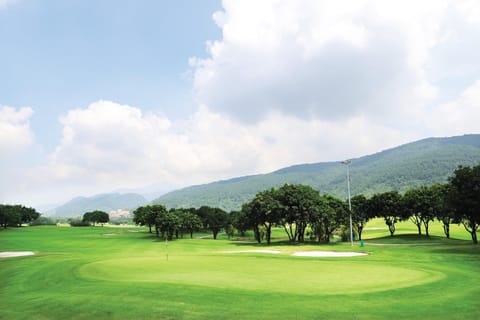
[[43, 221], [79, 223]]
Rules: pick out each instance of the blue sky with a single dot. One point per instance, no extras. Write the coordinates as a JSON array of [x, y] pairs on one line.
[[97, 96], [60, 55]]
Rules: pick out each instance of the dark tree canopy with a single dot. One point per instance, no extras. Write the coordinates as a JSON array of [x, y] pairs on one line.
[[464, 197], [96, 216], [15, 215]]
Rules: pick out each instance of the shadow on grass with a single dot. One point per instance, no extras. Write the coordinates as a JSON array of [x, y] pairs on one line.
[[415, 239], [472, 249], [277, 243]]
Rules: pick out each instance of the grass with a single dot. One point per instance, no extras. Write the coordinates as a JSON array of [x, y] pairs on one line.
[[123, 273]]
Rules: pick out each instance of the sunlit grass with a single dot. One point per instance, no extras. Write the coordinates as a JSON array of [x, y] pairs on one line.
[[123, 273]]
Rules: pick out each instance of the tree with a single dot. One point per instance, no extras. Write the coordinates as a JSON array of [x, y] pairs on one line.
[[360, 213], [15, 215], [240, 222], [166, 222], [296, 204], [330, 213], [139, 217], [154, 215], [263, 210], [387, 205], [213, 219], [96, 216], [421, 204], [464, 197], [443, 211], [189, 222]]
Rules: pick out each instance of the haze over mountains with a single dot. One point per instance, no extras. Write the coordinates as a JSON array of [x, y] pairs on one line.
[[411, 165], [104, 202]]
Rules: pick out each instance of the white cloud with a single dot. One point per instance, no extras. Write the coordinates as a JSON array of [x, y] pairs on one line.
[[108, 146], [384, 60], [459, 116], [15, 132], [323, 59]]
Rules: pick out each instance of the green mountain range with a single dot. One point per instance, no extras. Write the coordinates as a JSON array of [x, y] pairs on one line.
[[408, 166], [104, 202]]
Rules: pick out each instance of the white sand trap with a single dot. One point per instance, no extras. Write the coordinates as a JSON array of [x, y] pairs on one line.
[[16, 254], [256, 251], [328, 254]]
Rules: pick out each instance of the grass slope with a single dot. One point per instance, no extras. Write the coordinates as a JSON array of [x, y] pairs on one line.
[[121, 273], [419, 163]]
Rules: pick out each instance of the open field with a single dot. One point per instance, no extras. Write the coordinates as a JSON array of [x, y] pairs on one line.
[[123, 273]]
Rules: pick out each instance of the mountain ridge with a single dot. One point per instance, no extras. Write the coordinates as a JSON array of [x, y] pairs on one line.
[[409, 165], [105, 202]]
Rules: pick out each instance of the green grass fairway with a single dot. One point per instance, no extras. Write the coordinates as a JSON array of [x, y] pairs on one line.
[[123, 273]]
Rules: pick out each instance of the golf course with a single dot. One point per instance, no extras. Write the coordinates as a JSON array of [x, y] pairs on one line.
[[127, 273]]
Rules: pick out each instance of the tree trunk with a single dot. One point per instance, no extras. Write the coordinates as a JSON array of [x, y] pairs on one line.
[[150, 227], [471, 228], [426, 228], [446, 229], [268, 231], [359, 231]]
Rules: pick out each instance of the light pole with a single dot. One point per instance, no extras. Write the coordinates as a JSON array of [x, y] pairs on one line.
[[347, 163]]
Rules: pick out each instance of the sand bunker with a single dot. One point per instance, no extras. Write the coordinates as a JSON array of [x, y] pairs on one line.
[[15, 254], [256, 251], [328, 254]]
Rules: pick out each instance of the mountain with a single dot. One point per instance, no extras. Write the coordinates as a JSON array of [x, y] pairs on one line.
[[104, 202], [408, 166]]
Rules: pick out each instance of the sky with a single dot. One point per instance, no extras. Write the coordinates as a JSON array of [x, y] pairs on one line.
[[102, 96]]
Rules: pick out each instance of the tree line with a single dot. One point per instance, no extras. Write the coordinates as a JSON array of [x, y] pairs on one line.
[[16, 215], [302, 211]]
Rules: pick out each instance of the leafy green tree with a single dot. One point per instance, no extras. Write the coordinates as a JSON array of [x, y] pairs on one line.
[[329, 215], [360, 213], [15, 215], [443, 211], [249, 220], [10, 215], [297, 204], [240, 222], [96, 216], [139, 217], [388, 206], [189, 222], [213, 219], [464, 197], [421, 204], [264, 211], [167, 223]]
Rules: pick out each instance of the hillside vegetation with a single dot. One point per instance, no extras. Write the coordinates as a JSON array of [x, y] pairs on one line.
[[408, 166]]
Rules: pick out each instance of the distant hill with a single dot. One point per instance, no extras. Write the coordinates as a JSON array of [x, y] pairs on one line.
[[104, 202], [411, 165]]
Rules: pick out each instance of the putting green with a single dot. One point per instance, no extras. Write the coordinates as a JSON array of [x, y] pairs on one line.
[[289, 275]]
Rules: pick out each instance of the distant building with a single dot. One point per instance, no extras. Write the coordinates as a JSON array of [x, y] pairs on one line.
[[119, 213]]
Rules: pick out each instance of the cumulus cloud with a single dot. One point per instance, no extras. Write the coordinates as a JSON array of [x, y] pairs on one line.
[[108, 146], [459, 116], [15, 132], [332, 61]]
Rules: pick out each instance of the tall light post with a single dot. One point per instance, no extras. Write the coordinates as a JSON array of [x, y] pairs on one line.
[[347, 163]]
